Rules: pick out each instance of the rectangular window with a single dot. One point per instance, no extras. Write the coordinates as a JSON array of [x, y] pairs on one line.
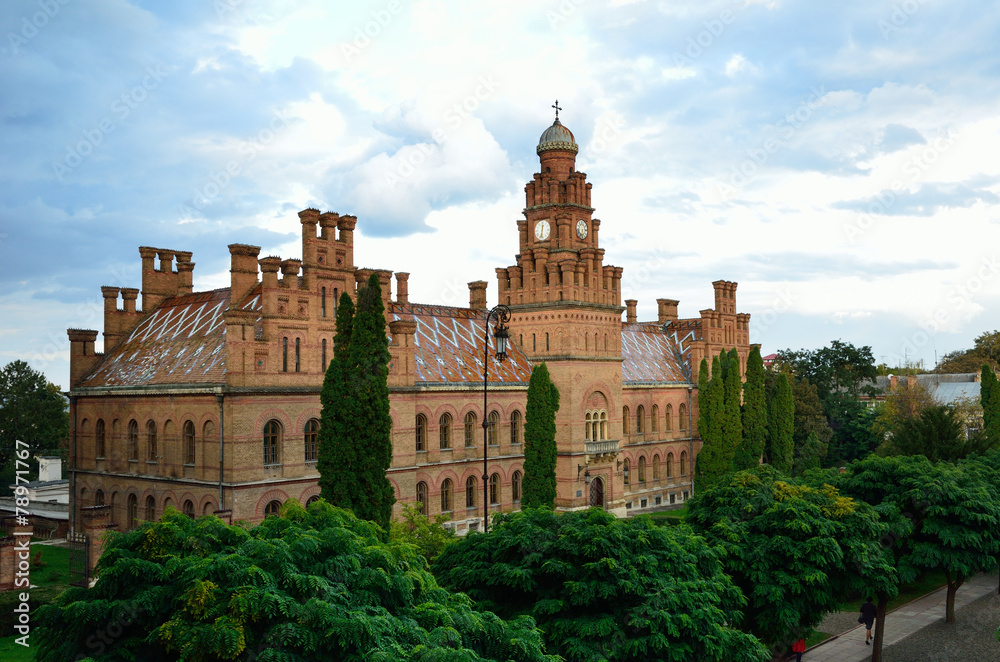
[[324, 354], [284, 355], [322, 302], [297, 353]]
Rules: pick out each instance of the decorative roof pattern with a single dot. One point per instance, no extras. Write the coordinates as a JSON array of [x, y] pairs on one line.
[[181, 342], [449, 346], [651, 355]]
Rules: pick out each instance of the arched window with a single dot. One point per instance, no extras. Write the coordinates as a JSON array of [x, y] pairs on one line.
[[323, 343], [422, 497], [589, 430], [421, 433], [470, 429], [133, 440], [150, 509], [654, 414], [189, 443], [470, 492], [684, 457], [133, 511], [682, 412], [322, 302], [491, 430], [446, 496], [515, 487], [625, 420], [668, 424], [284, 355], [151, 441], [670, 465], [656, 467], [625, 469], [494, 489], [515, 427], [444, 424], [604, 425], [273, 508], [272, 438], [642, 469], [99, 498], [311, 440], [298, 353], [640, 419], [189, 508], [209, 509], [311, 500], [99, 439]]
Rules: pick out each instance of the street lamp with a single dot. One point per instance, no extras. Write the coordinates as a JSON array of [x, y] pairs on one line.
[[501, 314]]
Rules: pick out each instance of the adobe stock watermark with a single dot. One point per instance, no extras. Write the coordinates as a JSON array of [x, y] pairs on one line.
[[914, 169], [122, 107], [218, 180], [562, 12], [784, 130], [453, 118], [900, 16], [703, 40], [783, 301], [30, 26], [958, 299], [365, 34], [606, 134]]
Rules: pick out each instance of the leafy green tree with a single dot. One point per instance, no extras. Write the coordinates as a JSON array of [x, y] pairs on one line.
[[809, 455], [854, 437], [954, 516], [935, 433], [732, 396], [703, 405], [781, 426], [538, 488], [839, 368], [32, 410], [429, 536], [986, 350], [337, 458], [793, 550], [754, 414], [989, 397], [713, 460], [314, 584], [809, 417], [603, 588], [368, 357]]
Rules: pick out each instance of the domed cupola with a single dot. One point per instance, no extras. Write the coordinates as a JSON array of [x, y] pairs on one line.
[[557, 137]]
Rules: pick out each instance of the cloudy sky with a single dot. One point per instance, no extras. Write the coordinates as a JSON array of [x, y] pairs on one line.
[[837, 159]]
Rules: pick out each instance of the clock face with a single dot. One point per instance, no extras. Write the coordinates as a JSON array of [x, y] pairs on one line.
[[581, 229], [542, 230]]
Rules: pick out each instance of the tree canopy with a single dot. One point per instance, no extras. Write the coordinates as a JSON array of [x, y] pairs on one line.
[[314, 584], [32, 410], [538, 487], [603, 588], [986, 349]]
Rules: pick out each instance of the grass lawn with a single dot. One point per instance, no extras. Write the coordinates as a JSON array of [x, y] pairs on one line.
[[816, 637], [56, 570], [11, 652], [926, 584]]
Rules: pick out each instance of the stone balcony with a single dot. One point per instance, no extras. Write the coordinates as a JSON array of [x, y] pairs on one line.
[[604, 447]]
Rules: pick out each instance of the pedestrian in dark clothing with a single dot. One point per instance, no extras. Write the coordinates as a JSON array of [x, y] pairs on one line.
[[868, 618], [799, 647]]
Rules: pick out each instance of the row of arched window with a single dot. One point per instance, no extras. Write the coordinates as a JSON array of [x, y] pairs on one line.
[[473, 486], [654, 419], [147, 440], [641, 475], [274, 441], [134, 516], [469, 428]]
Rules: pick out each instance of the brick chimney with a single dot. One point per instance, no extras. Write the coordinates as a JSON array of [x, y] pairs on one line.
[[666, 310], [477, 295], [630, 315]]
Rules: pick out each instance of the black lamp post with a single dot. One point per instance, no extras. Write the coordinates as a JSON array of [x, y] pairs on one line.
[[501, 314]]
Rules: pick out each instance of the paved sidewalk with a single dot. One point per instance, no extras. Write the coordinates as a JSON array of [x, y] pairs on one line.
[[901, 623]]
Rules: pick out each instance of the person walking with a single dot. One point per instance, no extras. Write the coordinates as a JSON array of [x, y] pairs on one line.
[[867, 617], [799, 647]]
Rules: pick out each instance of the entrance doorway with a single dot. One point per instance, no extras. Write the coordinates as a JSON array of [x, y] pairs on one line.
[[597, 492]]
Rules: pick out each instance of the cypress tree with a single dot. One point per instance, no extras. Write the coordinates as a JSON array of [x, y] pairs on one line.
[[369, 423], [703, 407], [713, 460], [336, 458], [732, 427], [781, 426], [538, 488], [989, 397], [754, 414]]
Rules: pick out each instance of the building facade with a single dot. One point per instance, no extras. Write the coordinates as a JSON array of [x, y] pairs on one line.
[[209, 401]]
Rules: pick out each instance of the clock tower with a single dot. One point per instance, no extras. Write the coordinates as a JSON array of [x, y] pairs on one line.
[[566, 310]]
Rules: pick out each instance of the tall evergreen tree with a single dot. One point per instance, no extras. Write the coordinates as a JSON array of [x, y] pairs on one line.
[[538, 488], [713, 460], [732, 427], [703, 415], [781, 426], [337, 457], [367, 382], [989, 396], [754, 414]]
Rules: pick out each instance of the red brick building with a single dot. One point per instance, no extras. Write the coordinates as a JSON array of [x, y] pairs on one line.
[[209, 401]]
